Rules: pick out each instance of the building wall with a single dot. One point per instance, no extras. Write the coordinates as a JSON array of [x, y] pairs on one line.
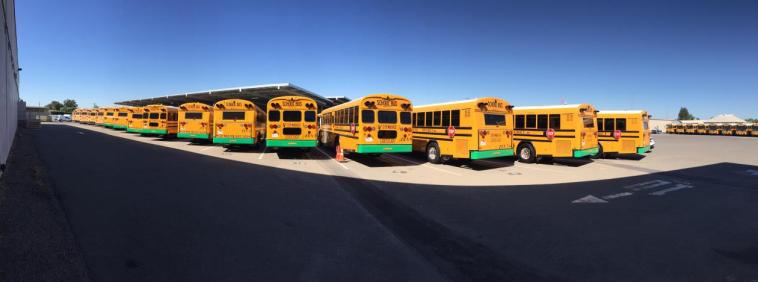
[[8, 78], [659, 124]]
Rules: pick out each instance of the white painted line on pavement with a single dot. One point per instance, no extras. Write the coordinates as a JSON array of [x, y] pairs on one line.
[[327, 155], [424, 164], [206, 148], [647, 185], [80, 133], [619, 195], [589, 199], [263, 153], [672, 189]]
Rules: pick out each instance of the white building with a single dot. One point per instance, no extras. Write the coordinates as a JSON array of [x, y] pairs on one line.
[[8, 81]]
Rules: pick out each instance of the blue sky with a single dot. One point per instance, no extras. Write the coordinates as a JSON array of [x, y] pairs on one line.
[[655, 55]]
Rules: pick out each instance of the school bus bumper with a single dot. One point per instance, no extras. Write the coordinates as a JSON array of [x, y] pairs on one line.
[[290, 143], [118, 126], [193, 135], [585, 152], [108, 125], [133, 130], [154, 131], [232, 140], [476, 155], [642, 150], [389, 148]]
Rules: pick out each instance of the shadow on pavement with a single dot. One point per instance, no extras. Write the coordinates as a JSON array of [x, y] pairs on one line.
[[193, 210]]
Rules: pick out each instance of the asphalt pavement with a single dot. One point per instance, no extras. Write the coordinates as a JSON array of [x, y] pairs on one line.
[[151, 213]]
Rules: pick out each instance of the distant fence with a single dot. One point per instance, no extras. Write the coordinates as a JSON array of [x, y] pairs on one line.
[[8, 80]]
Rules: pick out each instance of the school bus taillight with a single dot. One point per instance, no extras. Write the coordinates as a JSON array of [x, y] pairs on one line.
[[274, 126], [368, 128]]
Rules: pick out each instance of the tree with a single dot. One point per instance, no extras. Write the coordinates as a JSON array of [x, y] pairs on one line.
[[54, 106], [684, 114], [69, 105], [752, 120], [95, 106]]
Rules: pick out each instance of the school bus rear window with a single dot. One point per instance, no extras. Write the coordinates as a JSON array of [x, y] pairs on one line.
[[137, 116], [310, 116], [405, 117], [233, 115], [122, 114], [292, 116], [274, 116], [193, 115], [493, 119], [387, 117], [153, 115]]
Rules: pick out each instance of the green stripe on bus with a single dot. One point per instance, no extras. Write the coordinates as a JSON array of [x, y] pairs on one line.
[[476, 155], [290, 143], [642, 150], [388, 148], [193, 135], [118, 126], [133, 130], [231, 140], [154, 131], [585, 152]]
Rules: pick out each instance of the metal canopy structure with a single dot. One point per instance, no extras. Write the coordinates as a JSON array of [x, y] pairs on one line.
[[258, 94]]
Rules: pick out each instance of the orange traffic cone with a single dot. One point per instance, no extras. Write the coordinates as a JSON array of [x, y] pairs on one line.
[[340, 155]]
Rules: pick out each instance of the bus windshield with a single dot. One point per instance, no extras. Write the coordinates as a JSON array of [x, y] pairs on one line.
[[494, 119], [388, 117]]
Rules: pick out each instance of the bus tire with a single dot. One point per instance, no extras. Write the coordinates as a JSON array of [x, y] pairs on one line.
[[433, 153], [526, 153], [599, 154]]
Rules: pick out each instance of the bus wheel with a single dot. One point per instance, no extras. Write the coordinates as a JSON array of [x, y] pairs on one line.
[[526, 153], [433, 153], [599, 154]]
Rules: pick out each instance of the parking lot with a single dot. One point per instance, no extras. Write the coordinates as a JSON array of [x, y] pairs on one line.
[[142, 208]]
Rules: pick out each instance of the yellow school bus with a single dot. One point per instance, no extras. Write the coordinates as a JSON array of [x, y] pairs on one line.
[[623, 132], [75, 115], [741, 129], [238, 121], [753, 129], [555, 131], [291, 122], [161, 120], [136, 120], [120, 116], [109, 117], [374, 124], [669, 129], [690, 128], [100, 117], [195, 121], [714, 129], [701, 129], [472, 129], [90, 117]]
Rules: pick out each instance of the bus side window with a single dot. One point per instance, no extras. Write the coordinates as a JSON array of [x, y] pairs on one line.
[[608, 124], [542, 122], [531, 121], [414, 119], [455, 118], [555, 121], [428, 119], [437, 118], [445, 118], [519, 122], [600, 124], [355, 114], [621, 124], [420, 119]]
